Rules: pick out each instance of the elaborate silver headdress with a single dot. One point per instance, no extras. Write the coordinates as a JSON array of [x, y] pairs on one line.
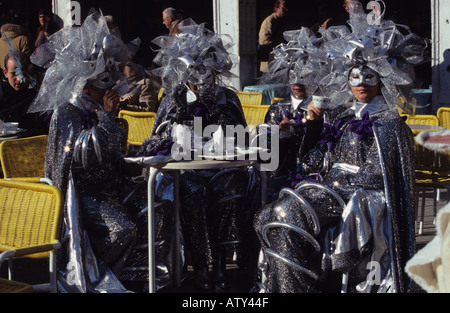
[[196, 55], [325, 59], [75, 55], [299, 61]]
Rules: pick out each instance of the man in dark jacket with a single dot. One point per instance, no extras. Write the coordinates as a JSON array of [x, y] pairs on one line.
[[16, 96]]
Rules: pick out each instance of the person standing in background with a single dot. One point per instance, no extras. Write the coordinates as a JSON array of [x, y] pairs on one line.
[[172, 20], [14, 35], [46, 28], [271, 33]]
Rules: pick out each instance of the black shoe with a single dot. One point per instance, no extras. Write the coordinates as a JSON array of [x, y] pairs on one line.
[[221, 280], [219, 270], [202, 280]]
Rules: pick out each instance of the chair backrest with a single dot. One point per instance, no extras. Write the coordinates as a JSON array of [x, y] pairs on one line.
[[423, 120], [275, 99], [140, 125], [443, 114], [254, 114], [400, 110], [161, 94], [251, 98], [430, 120], [24, 157], [30, 215]]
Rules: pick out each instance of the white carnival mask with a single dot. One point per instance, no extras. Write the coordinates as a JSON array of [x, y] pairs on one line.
[[362, 75]]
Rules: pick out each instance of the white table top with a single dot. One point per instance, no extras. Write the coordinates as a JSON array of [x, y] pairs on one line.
[[420, 126], [170, 164], [13, 134], [206, 164]]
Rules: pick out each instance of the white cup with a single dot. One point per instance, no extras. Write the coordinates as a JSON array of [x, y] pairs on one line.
[[9, 127], [321, 102]]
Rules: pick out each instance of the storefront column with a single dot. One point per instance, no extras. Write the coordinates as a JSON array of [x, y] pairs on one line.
[[237, 18], [69, 12]]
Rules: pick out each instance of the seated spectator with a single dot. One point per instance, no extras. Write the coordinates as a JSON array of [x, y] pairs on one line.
[[16, 96], [141, 92]]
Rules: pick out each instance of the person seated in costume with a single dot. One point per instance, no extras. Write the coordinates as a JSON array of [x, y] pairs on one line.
[[347, 224], [191, 79], [16, 95], [290, 117], [289, 114], [84, 158]]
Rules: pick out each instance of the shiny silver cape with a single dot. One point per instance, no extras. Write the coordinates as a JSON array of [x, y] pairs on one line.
[[361, 244]]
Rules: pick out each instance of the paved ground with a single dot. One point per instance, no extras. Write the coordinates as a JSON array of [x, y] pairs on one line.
[[32, 271]]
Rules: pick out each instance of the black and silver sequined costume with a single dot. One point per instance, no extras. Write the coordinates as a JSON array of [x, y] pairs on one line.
[[100, 230], [366, 231], [207, 222], [104, 217], [289, 145]]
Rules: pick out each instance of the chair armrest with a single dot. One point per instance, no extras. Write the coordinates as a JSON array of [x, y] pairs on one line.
[[25, 179], [7, 255], [28, 251], [33, 180], [37, 249]]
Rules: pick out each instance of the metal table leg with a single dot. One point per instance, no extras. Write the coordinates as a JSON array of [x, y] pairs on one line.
[[176, 213], [151, 230], [263, 184]]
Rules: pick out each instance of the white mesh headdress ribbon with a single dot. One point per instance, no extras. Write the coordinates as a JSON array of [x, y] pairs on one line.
[[299, 61], [73, 56], [324, 60], [196, 55]]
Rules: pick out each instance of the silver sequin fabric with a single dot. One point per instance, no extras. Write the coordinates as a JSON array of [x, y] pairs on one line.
[[378, 189]]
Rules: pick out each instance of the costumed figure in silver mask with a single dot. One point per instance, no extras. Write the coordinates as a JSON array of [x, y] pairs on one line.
[[348, 224], [84, 157], [293, 67], [193, 67]]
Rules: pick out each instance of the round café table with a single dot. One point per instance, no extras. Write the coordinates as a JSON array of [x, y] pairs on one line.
[[161, 164]]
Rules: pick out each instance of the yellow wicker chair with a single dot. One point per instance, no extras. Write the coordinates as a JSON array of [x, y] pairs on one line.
[[400, 110], [443, 114], [251, 98], [161, 94], [275, 100], [30, 221], [432, 171], [422, 120], [24, 158], [254, 114], [432, 168], [140, 125]]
